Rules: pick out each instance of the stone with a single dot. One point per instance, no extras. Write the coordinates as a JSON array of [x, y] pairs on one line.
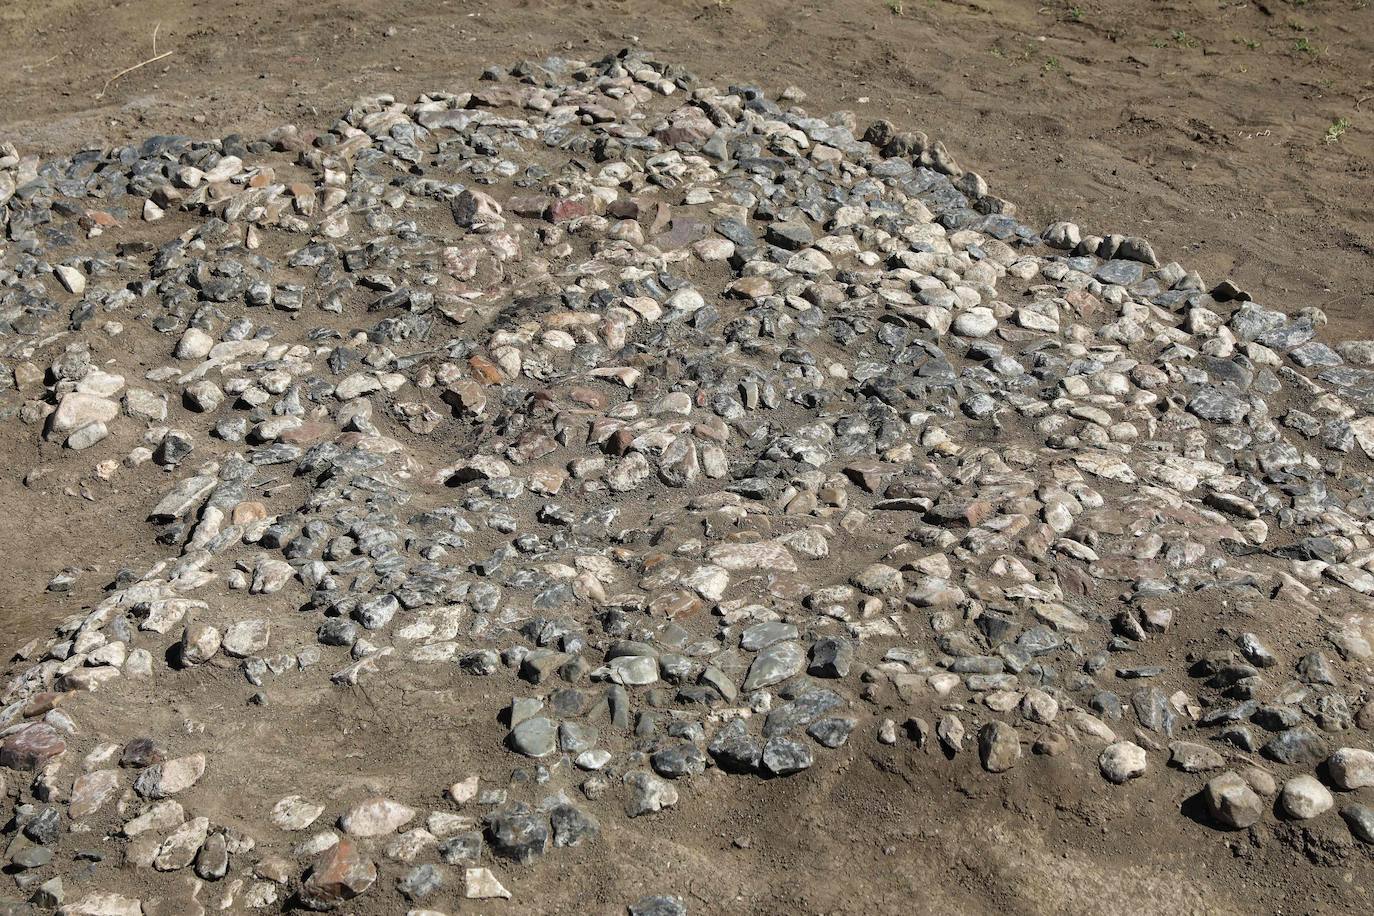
[[247, 637], [420, 882], [194, 344], [1065, 236], [339, 875], [878, 579], [99, 903], [832, 732], [375, 817], [1360, 819], [481, 884], [647, 794], [976, 322], [999, 747], [166, 779], [1299, 746], [1231, 802], [774, 664], [518, 835], [1191, 757], [1351, 768], [677, 759], [572, 826], [31, 747], [1304, 797], [212, 862], [734, 750], [159, 816], [199, 643], [782, 756], [762, 555], [77, 410], [91, 792], [180, 848], [71, 279], [831, 658], [1122, 761], [535, 737], [658, 905]]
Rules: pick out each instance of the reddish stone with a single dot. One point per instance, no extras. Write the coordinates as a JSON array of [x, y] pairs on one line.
[[41, 703], [91, 791], [1038, 539], [1074, 580], [308, 433], [531, 446], [601, 429], [486, 371], [676, 604], [247, 512], [98, 218], [681, 233], [663, 215], [867, 476], [1083, 302], [564, 209], [587, 397], [619, 442], [340, 874], [498, 97], [467, 397], [970, 512], [530, 206], [32, 747]]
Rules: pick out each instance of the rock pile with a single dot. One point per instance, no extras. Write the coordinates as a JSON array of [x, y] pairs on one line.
[[680, 431]]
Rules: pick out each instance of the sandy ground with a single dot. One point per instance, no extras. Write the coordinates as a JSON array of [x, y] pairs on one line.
[[1238, 137]]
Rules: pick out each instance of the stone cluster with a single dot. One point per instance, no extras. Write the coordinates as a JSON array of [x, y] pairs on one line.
[[680, 430]]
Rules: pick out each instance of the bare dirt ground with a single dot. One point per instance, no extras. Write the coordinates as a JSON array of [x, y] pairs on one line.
[[1238, 137]]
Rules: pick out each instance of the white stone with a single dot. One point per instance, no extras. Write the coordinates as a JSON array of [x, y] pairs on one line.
[[1304, 797]]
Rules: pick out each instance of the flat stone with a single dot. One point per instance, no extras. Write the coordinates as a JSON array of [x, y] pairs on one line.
[[31, 747], [481, 884], [535, 737], [180, 848], [166, 779], [91, 792], [774, 664], [768, 555], [784, 756], [375, 817], [103, 904]]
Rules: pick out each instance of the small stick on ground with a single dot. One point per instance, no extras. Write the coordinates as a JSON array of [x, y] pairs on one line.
[[44, 64], [127, 70]]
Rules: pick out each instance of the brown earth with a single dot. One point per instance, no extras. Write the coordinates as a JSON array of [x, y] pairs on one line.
[[1202, 126]]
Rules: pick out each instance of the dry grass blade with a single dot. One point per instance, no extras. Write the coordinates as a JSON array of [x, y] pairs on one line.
[[127, 70]]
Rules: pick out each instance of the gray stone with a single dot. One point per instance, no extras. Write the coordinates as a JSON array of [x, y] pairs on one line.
[[1231, 801]]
